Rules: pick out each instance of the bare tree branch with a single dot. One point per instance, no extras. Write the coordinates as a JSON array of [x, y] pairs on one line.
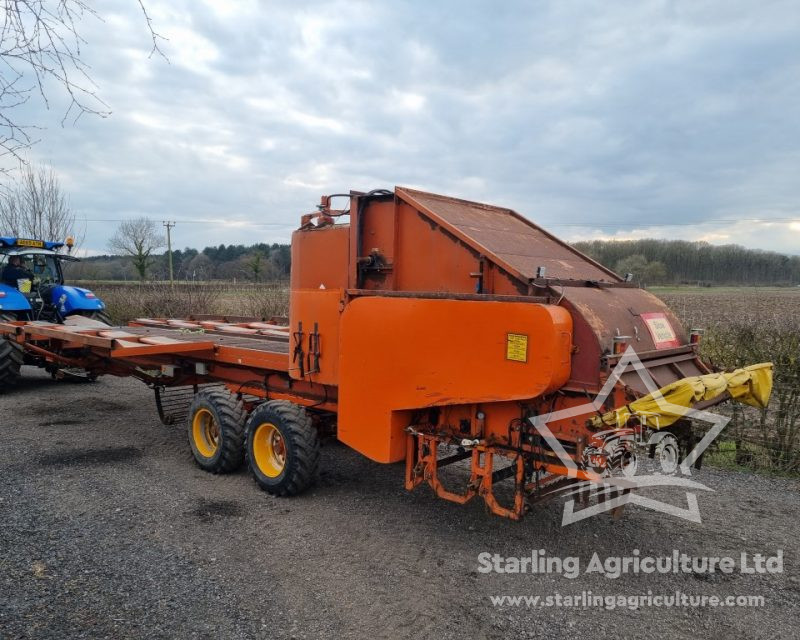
[[35, 206], [153, 34], [40, 45]]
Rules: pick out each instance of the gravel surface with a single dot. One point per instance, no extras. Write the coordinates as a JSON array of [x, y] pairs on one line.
[[108, 529]]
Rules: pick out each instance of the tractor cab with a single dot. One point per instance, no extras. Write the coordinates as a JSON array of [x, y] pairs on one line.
[[32, 283]]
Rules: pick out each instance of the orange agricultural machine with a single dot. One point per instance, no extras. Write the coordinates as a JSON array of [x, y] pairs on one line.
[[422, 329]]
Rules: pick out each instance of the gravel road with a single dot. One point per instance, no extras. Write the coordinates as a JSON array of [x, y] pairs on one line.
[[108, 529]]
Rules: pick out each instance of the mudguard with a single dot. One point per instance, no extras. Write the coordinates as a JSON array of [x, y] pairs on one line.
[[12, 300], [71, 299]]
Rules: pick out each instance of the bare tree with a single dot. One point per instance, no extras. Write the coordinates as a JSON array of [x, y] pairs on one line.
[[40, 45], [138, 239], [201, 267], [35, 206]]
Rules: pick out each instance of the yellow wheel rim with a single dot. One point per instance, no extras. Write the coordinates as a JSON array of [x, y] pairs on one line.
[[205, 433], [269, 450]]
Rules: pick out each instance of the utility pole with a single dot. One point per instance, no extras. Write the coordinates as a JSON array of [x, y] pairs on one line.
[[169, 226]]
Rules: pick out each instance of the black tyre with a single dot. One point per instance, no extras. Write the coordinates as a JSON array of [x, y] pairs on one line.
[[668, 454], [100, 316], [216, 430], [11, 359], [283, 448]]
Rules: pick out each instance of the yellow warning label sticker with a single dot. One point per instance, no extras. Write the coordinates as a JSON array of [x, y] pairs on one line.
[[517, 347]]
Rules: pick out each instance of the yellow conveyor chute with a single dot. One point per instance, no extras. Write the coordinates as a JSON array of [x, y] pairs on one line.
[[751, 385]]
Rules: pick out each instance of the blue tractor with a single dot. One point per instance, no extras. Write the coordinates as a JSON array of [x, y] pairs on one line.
[[32, 284]]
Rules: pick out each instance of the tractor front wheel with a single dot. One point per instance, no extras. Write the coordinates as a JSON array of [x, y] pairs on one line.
[[216, 430], [11, 358], [283, 448]]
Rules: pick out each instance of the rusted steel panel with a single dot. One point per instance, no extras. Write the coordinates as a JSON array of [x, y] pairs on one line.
[[617, 312], [516, 242]]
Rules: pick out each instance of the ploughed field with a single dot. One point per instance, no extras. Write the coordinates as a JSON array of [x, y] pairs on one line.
[[744, 326], [767, 307]]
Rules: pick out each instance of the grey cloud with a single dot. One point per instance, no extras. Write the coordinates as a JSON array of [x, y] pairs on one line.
[[624, 114]]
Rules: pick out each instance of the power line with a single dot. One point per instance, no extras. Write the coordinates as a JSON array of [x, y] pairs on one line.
[[639, 224], [232, 222]]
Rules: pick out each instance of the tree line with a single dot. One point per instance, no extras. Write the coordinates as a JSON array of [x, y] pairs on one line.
[[684, 262], [260, 262], [651, 262]]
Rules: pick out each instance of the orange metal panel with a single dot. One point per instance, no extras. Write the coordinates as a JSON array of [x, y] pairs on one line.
[[116, 334], [134, 349], [403, 353], [320, 307], [159, 340], [374, 231], [429, 260], [320, 258], [70, 334], [242, 356]]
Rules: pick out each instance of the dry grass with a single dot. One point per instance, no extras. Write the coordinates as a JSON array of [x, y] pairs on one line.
[[128, 301]]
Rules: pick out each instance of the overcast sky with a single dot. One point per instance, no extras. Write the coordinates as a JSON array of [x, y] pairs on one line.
[[594, 119]]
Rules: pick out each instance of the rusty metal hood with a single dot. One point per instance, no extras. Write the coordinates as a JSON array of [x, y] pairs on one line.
[[514, 242], [601, 304]]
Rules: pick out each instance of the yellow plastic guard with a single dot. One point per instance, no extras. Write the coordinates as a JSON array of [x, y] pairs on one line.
[[751, 385]]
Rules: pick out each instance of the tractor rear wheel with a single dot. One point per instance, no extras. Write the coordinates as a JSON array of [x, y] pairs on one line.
[[100, 316], [11, 358], [216, 430], [283, 448]]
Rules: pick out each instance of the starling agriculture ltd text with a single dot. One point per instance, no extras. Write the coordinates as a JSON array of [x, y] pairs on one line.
[[538, 562]]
